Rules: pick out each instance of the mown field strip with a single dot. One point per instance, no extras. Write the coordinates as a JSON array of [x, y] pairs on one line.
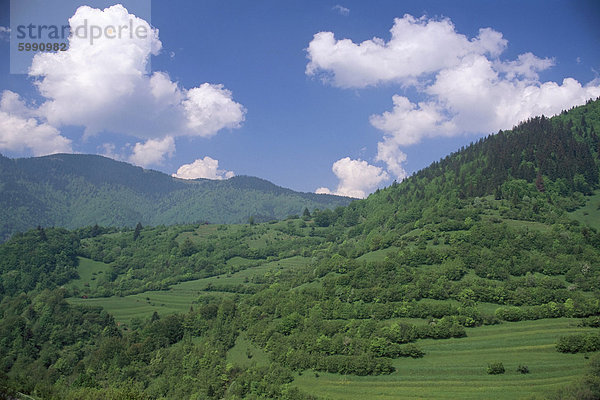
[[181, 296], [456, 368]]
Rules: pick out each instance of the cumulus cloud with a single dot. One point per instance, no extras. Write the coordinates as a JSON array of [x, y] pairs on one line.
[[473, 98], [393, 157], [109, 150], [417, 47], [344, 11], [153, 151], [20, 130], [357, 178], [207, 168], [209, 108], [103, 85], [464, 86]]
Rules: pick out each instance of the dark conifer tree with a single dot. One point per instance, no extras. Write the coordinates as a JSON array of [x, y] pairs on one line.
[[539, 183], [138, 230]]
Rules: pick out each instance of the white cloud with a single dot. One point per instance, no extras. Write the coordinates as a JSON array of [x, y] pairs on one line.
[[207, 168], [323, 190], [417, 47], [103, 85], [20, 131], [473, 98], [393, 157], [357, 178], [110, 150], [465, 88], [344, 11], [526, 66], [407, 123], [209, 108], [153, 151]]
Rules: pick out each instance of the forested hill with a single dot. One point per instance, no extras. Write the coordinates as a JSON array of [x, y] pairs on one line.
[[543, 166], [74, 190]]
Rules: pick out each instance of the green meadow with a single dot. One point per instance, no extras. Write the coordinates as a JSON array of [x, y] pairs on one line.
[[89, 272], [456, 368], [245, 354], [180, 297], [590, 213]]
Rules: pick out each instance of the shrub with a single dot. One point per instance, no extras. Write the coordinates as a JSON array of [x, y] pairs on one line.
[[593, 321], [495, 368], [524, 369], [583, 342], [410, 350]]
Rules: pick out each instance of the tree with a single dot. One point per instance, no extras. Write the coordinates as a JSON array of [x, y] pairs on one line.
[[95, 231], [539, 183], [498, 193], [155, 317], [187, 248], [138, 229], [42, 234], [306, 214]]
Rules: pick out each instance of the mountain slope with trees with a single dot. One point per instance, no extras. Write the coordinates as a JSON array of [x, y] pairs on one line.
[[75, 190], [480, 240]]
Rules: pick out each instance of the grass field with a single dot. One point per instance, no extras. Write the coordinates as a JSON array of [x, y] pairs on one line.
[[377, 255], [197, 234], [89, 272], [181, 296], [590, 213], [456, 368], [531, 225], [238, 354], [142, 305]]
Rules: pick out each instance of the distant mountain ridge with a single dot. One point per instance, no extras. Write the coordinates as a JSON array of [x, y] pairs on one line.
[[73, 190]]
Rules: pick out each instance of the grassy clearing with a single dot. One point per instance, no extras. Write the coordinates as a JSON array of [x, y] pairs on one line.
[[239, 261], [142, 305], [245, 276], [89, 272], [182, 296], [487, 308], [377, 255], [531, 225], [197, 234], [590, 213], [238, 354], [456, 368], [260, 241]]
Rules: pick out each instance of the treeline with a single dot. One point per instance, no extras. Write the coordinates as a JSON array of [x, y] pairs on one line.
[[38, 259], [158, 257], [52, 350]]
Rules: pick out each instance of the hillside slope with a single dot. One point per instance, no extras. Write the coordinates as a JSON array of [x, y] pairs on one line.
[[73, 190], [469, 280]]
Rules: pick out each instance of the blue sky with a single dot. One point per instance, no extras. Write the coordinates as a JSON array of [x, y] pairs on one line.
[[360, 116]]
